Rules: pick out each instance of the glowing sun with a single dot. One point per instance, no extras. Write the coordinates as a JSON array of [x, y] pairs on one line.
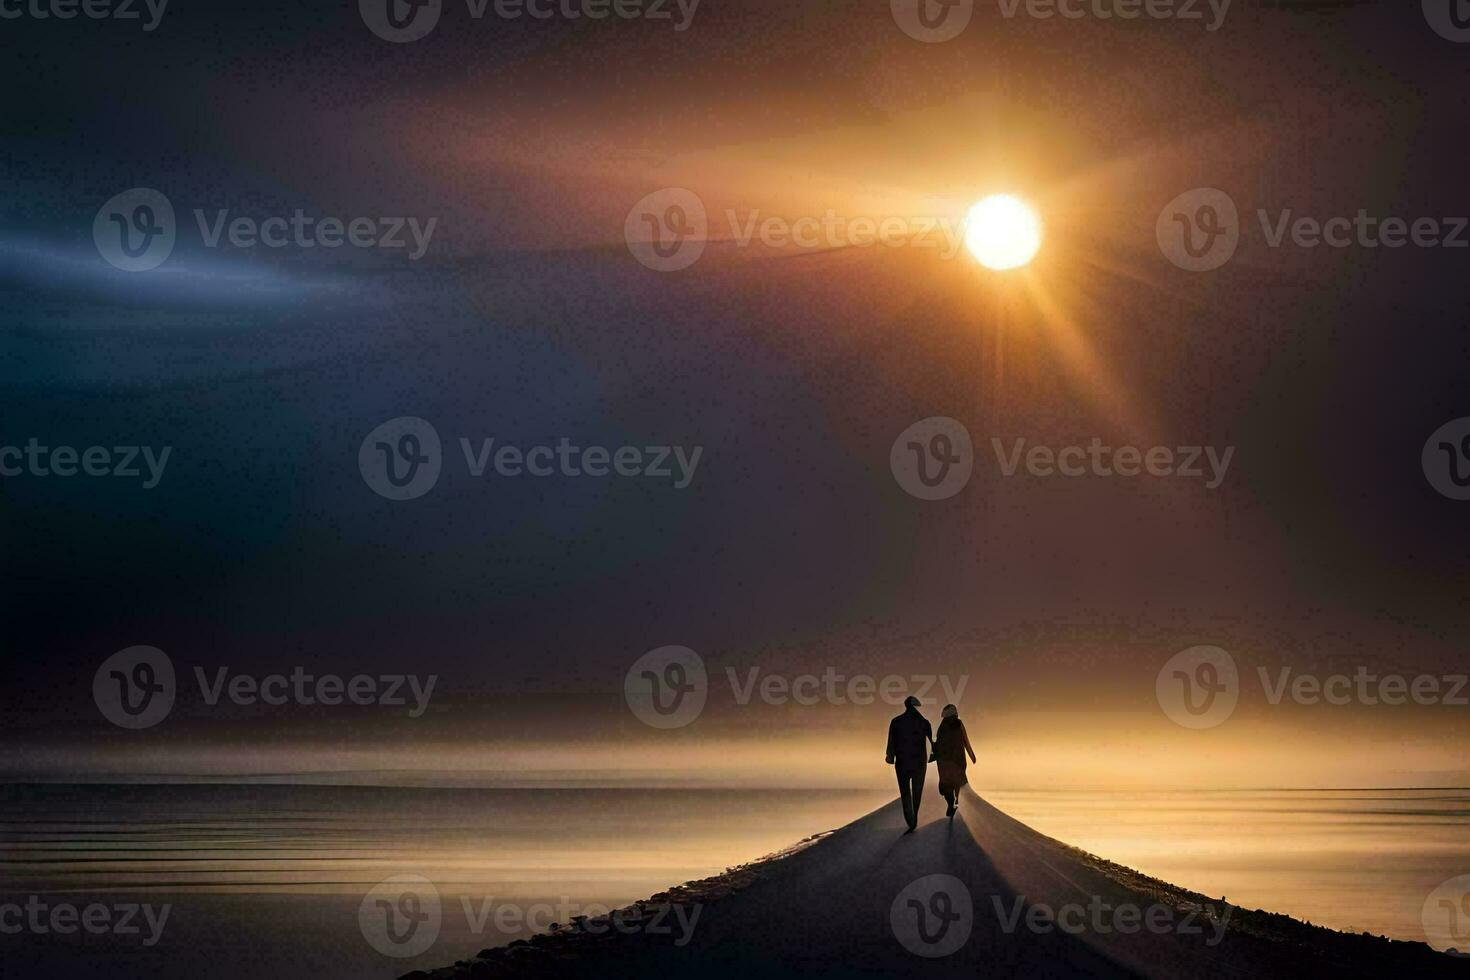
[[1002, 232]]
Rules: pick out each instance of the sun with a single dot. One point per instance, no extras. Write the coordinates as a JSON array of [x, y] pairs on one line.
[[1002, 232]]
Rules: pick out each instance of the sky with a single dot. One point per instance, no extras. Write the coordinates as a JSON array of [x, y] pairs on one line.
[[793, 549]]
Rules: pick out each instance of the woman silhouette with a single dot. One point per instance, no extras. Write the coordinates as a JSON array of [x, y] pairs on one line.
[[951, 745]]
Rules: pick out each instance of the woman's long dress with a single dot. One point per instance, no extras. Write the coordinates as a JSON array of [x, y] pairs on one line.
[[949, 751]]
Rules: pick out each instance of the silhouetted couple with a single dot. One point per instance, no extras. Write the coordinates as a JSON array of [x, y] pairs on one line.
[[909, 739]]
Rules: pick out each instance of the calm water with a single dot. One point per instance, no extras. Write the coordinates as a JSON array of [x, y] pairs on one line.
[[1350, 859], [266, 879]]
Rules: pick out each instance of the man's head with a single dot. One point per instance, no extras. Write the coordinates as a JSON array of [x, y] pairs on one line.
[[911, 702]]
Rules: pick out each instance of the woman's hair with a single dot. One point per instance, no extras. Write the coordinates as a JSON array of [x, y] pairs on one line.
[[950, 711]]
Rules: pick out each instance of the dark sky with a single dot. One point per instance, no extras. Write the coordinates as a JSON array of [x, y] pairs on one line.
[[528, 320]]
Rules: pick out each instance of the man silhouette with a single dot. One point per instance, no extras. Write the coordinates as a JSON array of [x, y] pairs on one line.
[[909, 741]]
